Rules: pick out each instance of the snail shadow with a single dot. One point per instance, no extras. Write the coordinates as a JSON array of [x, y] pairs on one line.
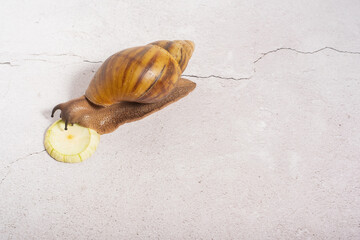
[[81, 80], [78, 86]]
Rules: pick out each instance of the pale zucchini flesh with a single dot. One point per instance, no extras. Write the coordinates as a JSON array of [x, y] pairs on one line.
[[73, 145]]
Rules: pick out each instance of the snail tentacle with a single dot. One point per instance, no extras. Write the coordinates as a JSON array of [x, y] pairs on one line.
[[55, 109]]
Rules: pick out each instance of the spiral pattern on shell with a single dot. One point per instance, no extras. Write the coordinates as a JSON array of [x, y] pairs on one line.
[[144, 74]]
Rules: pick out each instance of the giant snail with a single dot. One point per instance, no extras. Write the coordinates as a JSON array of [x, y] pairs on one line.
[[130, 85]]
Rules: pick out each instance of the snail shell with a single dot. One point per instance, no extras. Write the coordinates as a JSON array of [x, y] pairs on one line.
[[144, 74]]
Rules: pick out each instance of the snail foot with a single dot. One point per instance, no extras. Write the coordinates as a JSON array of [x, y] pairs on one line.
[[107, 119]]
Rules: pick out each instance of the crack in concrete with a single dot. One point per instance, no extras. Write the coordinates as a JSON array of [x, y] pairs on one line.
[[8, 63], [270, 52], [88, 61], [65, 54], [56, 55], [193, 75], [16, 160], [215, 76], [36, 59], [304, 52]]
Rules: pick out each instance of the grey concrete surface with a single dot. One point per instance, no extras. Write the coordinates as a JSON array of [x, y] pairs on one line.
[[266, 147]]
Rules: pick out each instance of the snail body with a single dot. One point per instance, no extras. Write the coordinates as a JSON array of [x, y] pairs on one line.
[[147, 76]]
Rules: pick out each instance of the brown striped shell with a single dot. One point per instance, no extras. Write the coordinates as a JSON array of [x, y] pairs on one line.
[[143, 74]]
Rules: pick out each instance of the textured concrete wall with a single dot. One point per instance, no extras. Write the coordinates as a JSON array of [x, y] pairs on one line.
[[266, 147]]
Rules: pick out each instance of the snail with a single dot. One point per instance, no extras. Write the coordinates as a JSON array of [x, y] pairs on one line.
[[130, 85]]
